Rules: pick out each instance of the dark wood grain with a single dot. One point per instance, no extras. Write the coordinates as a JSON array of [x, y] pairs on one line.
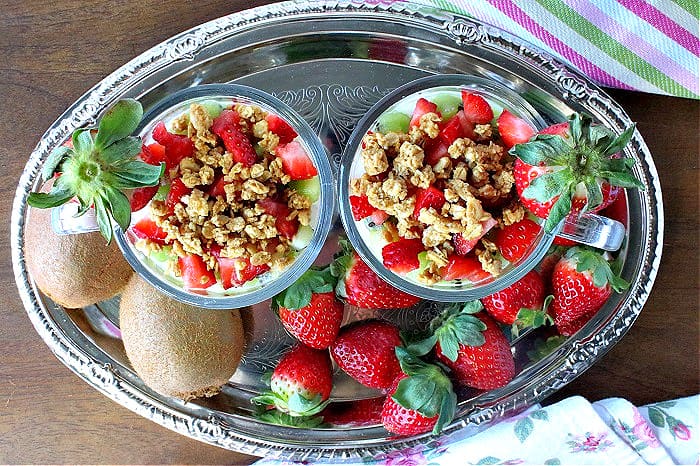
[[53, 52]]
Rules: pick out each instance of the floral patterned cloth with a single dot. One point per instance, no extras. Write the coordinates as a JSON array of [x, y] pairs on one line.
[[572, 431]]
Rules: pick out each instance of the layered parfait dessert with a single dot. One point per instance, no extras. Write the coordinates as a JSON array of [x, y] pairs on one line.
[[434, 183], [238, 200]]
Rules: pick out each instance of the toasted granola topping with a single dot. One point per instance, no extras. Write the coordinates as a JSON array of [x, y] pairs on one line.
[[475, 176], [232, 221]]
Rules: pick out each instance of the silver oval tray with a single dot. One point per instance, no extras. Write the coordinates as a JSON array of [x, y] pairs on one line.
[[331, 61]]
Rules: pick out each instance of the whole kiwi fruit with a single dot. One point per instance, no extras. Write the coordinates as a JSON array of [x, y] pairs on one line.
[[73, 270], [177, 349]]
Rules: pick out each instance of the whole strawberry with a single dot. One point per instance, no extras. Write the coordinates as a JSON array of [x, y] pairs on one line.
[[365, 350], [356, 413], [359, 286], [516, 239], [571, 169], [301, 383], [472, 345], [526, 293], [407, 410], [581, 283], [309, 310]]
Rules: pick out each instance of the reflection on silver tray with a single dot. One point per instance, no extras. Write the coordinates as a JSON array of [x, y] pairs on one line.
[[331, 61]]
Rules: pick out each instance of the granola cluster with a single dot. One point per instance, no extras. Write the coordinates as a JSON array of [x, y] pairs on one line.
[[232, 222], [475, 177]]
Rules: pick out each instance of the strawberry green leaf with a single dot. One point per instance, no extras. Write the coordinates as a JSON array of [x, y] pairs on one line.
[[137, 174], [299, 294], [619, 143], [122, 149], [54, 160], [559, 211], [119, 206], [625, 180], [82, 141], [103, 221], [448, 407], [594, 196], [298, 405], [543, 149], [118, 122], [423, 347], [274, 416], [56, 197], [549, 185], [426, 390], [418, 393]]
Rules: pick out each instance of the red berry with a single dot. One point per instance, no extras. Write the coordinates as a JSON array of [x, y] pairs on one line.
[[403, 421], [515, 240], [426, 198], [281, 128], [402, 256], [177, 146], [365, 350], [317, 323], [195, 274], [360, 207], [485, 367], [504, 305], [513, 130], [423, 106], [464, 268], [476, 108], [295, 161]]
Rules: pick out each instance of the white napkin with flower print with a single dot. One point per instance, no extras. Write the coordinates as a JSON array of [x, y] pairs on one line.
[[572, 431]]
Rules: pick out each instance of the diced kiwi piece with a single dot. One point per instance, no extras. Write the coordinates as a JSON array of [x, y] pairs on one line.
[[303, 237], [164, 254], [212, 107], [311, 188], [447, 104], [162, 192], [259, 150], [393, 121]]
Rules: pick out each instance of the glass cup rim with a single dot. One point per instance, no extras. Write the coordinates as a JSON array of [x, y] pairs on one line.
[[318, 153], [440, 294]]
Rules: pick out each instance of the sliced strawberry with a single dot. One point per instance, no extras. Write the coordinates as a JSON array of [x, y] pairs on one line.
[[177, 147], [153, 154], [451, 131], [217, 187], [281, 128], [514, 130], [379, 217], [423, 106], [279, 210], [295, 161], [360, 207], [559, 129], [402, 256], [463, 246], [524, 174], [514, 240], [426, 198], [195, 274], [434, 152], [476, 108], [140, 197], [247, 273], [177, 190], [464, 268], [227, 119], [240, 147], [147, 229]]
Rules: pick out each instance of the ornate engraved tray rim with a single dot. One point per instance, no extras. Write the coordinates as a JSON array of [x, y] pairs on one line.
[[236, 432]]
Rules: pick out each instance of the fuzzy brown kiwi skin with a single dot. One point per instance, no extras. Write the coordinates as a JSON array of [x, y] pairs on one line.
[[177, 349], [73, 270]]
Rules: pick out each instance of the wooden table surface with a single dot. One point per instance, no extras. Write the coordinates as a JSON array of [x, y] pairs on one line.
[[52, 52]]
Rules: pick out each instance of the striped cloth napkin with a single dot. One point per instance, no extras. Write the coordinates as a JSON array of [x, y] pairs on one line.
[[651, 46]]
